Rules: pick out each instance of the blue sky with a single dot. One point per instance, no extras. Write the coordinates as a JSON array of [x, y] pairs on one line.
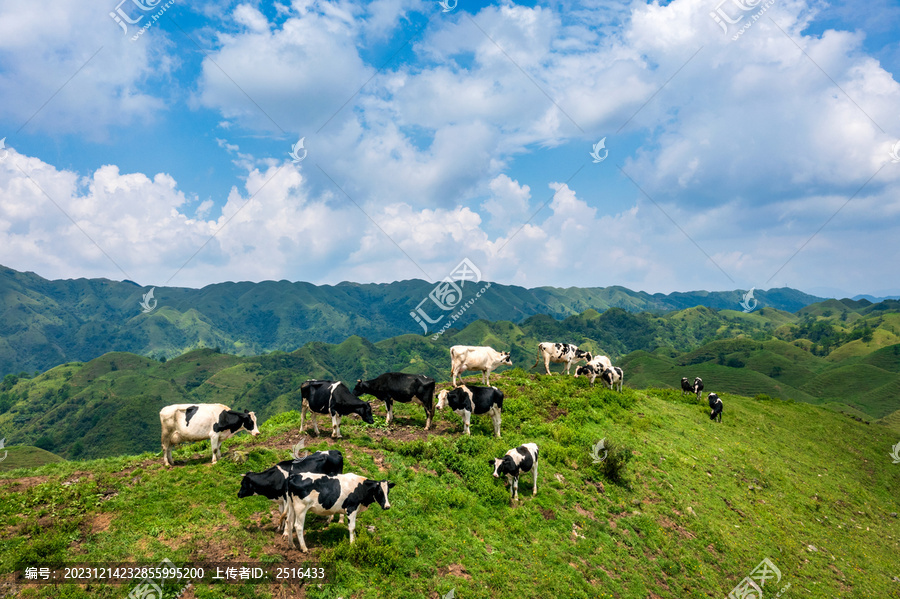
[[758, 156]]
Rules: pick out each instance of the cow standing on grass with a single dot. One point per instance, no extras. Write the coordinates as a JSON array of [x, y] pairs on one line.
[[559, 353], [325, 495], [686, 386], [516, 461], [272, 483], [399, 386], [469, 357], [466, 400], [716, 407], [333, 398], [698, 387], [182, 423]]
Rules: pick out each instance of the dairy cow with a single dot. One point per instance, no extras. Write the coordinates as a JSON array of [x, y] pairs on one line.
[[470, 357], [466, 400], [686, 386], [715, 407], [698, 386], [333, 398], [182, 423], [325, 495], [613, 377], [559, 353], [523, 458], [594, 368], [398, 386], [272, 483]]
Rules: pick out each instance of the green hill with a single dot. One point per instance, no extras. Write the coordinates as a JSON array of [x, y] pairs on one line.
[[697, 506], [45, 323], [23, 456]]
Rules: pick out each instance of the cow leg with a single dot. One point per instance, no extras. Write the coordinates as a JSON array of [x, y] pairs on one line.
[[167, 455], [534, 483], [336, 426], [390, 411], [299, 523], [453, 374], [214, 442], [547, 364], [289, 520], [467, 417], [282, 515], [351, 522], [428, 417], [568, 366], [496, 417], [486, 377]]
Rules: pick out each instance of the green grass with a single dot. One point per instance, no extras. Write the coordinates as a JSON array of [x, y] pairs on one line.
[[699, 506]]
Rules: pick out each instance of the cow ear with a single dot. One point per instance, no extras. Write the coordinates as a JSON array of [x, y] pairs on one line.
[[391, 485]]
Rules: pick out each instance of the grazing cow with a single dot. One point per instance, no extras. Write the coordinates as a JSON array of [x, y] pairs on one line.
[[698, 386], [466, 400], [612, 377], [334, 398], [272, 483], [195, 422], [686, 386], [405, 388], [516, 461], [559, 353], [468, 357], [327, 495], [595, 367], [715, 405]]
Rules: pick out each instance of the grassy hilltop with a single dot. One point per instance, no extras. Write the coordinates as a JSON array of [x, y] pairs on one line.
[[697, 507]]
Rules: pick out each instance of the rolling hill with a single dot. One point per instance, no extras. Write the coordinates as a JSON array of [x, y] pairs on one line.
[[110, 404]]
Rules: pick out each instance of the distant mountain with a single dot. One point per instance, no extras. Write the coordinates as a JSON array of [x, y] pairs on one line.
[[44, 323]]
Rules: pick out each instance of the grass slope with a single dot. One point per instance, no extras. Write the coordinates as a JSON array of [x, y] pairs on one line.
[[700, 505], [24, 456]]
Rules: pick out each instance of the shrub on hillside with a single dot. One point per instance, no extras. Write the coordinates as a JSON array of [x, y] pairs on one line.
[[614, 466]]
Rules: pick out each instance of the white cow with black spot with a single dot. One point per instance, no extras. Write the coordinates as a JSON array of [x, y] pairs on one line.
[[523, 458]]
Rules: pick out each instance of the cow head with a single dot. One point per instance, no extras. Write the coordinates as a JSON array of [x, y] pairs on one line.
[[361, 388], [504, 358], [249, 422], [247, 487], [504, 465], [365, 412], [380, 492], [587, 356], [584, 371], [583, 355], [442, 399]]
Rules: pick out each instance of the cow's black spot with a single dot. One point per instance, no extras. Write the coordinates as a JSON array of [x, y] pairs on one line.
[[329, 488], [189, 413], [231, 421]]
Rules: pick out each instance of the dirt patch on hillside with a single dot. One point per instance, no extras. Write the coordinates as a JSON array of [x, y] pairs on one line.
[[100, 522], [455, 570]]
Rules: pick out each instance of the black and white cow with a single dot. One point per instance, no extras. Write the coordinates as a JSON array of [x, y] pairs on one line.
[[466, 400], [186, 422], [272, 483], [399, 386], [686, 386], [334, 398], [559, 353], [471, 357], [715, 406], [613, 377], [325, 495], [698, 386], [516, 461]]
